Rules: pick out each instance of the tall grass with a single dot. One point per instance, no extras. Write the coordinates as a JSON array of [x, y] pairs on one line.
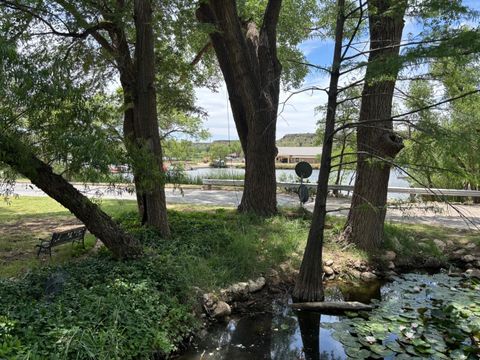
[[224, 174]]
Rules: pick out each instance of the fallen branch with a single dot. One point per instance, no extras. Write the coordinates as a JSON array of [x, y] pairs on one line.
[[332, 307]]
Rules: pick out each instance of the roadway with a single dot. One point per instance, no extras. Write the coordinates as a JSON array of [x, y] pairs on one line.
[[456, 216]]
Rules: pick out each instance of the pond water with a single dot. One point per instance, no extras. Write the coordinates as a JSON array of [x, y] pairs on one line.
[[404, 326], [396, 178]]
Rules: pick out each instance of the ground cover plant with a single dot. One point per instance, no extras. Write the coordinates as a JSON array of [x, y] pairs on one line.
[[94, 307], [83, 304]]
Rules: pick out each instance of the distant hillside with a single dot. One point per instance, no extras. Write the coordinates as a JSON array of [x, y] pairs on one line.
[[305, 139]]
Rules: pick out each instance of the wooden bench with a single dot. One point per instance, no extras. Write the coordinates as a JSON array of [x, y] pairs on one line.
[[62, 237]]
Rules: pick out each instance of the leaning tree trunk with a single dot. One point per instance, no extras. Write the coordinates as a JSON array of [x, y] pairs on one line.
[[309, 285], [152, 178], [377, 144], [251, 70], [20, 158]]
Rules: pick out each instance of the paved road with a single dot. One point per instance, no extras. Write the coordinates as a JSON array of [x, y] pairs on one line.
[[459, 216]]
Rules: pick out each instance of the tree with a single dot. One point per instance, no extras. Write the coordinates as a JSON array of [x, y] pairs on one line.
[[344, 141], [442, 149], [218, 151], [21, 159], [27, 104], [376, 140], [141, 122], [246, 50], [309, 286], [120, 35], [377, 143]]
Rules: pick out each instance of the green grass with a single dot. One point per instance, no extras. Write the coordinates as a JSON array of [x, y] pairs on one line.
[[26, 219]]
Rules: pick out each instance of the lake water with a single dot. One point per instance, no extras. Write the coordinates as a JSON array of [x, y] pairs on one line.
[[288, 175]]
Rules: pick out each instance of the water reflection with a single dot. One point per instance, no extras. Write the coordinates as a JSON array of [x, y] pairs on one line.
[[281, 333]]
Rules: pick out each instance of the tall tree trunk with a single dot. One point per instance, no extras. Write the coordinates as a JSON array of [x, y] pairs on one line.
[[251, 70], [22, 160], [146, 122], [376, 140], [309, 286], [129, 137]]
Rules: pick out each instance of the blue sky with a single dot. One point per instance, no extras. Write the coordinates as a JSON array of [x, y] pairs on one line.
[[298, 114]]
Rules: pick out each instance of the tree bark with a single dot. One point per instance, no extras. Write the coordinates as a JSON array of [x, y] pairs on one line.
[[251, 70], [22, 160], [146, 122], [332, 307], [376, 140], [309, 286]]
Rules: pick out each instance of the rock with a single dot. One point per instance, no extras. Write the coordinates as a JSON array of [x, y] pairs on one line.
[[468, 258], [391, 265], [257, 285], [450, 243], [368, 276], [328, 271], [476, 263], [390, 275], [273, 277], [336, 269], [454, 271], [389, 256], [221, 310], [473, 273], [355, 273], [285, 268], [329, 262], [359, 265], [457, 255], [470, 246], [330, 277], [209, 300], [236, 291], [440, 244]]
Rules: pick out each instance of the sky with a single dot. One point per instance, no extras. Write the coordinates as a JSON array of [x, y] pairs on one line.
[[297, 115]]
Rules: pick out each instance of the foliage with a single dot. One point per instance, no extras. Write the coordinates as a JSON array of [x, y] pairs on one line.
[[306, 139], [66, 120], [443, 149], [422, 316], [99, 308]]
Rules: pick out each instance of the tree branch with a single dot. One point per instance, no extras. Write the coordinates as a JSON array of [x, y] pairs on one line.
[[200, 54]]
